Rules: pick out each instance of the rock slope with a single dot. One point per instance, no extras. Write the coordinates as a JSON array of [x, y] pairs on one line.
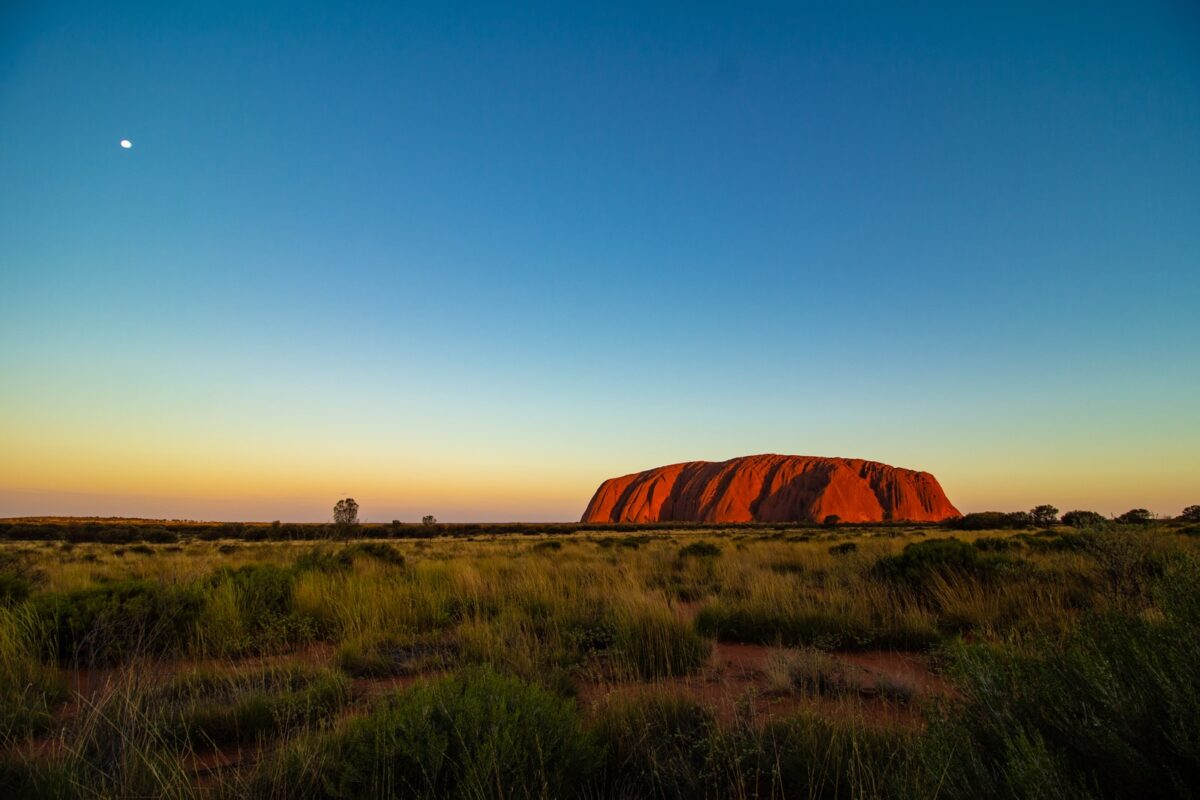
[[771, 488]]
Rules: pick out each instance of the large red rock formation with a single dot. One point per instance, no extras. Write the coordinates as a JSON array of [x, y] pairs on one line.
[[771, 488]]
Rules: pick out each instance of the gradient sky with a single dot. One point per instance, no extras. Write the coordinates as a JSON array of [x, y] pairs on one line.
[[470, 260]]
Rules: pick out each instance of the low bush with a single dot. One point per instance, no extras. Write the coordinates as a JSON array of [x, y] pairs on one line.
[[1111, 711], [825, 629], [115, 621], [919, 561], [650, 641], [700, 550], [1083, 519], [662, 745], [212, 708], [390, 657], [474, 735]]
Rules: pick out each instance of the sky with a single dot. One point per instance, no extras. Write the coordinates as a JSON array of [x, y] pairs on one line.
[[471, 259]]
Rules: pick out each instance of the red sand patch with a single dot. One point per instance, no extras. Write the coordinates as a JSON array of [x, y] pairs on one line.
[[736, 679]]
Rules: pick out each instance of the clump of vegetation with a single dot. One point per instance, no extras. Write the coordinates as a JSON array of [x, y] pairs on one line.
[[29, 688], [1038, 629], [920, 561], [16, 578], [391, 656], [652, 642], [1083, 519], [478, 734], [111, 622], [843, 548], [207, 708], [1110, 711], [700, 550]]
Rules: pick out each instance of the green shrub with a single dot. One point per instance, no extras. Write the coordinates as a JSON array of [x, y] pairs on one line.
[[262, 589], [919, 561], [657, 745], [379, 551], [475, 735], [997, 544], [112, 622], [16, 579], [1113, 711], [666, 746], [378, 659], [745, 621], [1083, 519], [650, 641], [212, 708], [843, 548], [1136, 516], [700, 550], [321, 559]]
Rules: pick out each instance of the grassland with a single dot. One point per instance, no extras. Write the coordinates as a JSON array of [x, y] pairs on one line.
[[740, 663]]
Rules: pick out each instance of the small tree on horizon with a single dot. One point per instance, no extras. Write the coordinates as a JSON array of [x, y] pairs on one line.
[[345, 516], [429, 519], [1191, 514], [1044, 515]]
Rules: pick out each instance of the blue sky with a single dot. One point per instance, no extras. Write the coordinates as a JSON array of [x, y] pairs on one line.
[[470, 260]]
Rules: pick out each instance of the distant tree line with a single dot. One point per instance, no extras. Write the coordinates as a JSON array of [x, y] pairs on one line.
[[1045, 516], [345, 524]]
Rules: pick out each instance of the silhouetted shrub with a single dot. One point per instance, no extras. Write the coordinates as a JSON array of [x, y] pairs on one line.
[[1043, 516], [1083, 519], [1136, 516], [1191, 514], [990, 521]]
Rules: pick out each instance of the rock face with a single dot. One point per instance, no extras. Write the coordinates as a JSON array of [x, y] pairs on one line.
[[771, 488]]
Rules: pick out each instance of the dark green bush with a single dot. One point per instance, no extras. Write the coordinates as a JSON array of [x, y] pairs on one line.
[[659, 746], [1083, 519], [990, 521], [474, 735], [1112, 712], [113, 622], [919, 561], [843, 548], [16, 578], [996, 544], [380, 551], [210, 708], [322, 559], [700, 550], [734, 621], [262, 589], [671, 747]]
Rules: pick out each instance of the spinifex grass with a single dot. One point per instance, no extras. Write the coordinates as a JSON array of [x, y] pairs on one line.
[[207, 645]]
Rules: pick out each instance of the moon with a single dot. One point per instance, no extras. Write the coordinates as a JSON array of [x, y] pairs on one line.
[[126, 144]]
